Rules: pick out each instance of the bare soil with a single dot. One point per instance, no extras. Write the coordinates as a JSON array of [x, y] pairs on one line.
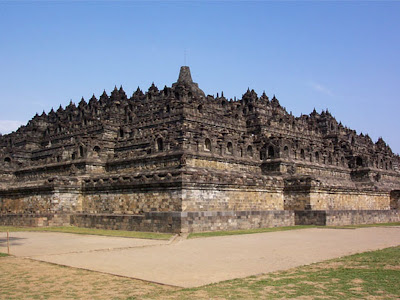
[[22, 278], [197, 262]]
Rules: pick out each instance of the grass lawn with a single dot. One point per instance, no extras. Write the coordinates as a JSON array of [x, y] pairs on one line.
[[260, 230], [166, 236], [369, 275], [93, 231], [365, 225], [3, 254], [246, 231]]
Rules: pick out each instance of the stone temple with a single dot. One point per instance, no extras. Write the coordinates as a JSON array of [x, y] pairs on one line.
[[176, 160]]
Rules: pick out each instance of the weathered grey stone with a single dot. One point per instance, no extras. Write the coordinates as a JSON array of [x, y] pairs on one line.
[[178, 160]]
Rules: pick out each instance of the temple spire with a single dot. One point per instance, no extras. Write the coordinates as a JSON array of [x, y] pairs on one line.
[[184, 75], [185, 81]]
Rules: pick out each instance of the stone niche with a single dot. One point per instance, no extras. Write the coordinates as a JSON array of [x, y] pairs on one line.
[[395, 199]]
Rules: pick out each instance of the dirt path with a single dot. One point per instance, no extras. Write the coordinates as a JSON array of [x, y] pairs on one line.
[[31, 244], [196, 262]]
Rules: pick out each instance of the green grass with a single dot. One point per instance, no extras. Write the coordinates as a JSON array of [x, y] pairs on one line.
[[273, 229], [3, 254], [369, 275], [166, 236], [364, 225], [360, 276], [246, 231], [92, 231]]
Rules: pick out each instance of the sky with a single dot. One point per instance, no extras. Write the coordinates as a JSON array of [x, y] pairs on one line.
[[342, 56]]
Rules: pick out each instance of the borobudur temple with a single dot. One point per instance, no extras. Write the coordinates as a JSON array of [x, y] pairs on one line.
[[176, 160]]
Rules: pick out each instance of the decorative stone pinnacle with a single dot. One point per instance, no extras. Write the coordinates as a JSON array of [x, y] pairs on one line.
[[185, 79], [184, 75]]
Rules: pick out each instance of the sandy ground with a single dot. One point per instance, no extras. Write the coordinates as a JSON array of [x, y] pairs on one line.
[[196, 262], [31, 244]]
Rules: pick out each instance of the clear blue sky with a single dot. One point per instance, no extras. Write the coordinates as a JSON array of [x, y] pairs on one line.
[[343, 56]]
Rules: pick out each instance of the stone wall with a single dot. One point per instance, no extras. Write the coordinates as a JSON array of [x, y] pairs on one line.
[[335, 174], [310, 217], [40, 199], [149, 222], [34, 203], [234, 220], [325, 199], [353, 217], [176, 222], [297, 200], [131, 201], [225, 164], [140, 164], [34, 220], [345, 217], [306, 193], [221, 198]]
